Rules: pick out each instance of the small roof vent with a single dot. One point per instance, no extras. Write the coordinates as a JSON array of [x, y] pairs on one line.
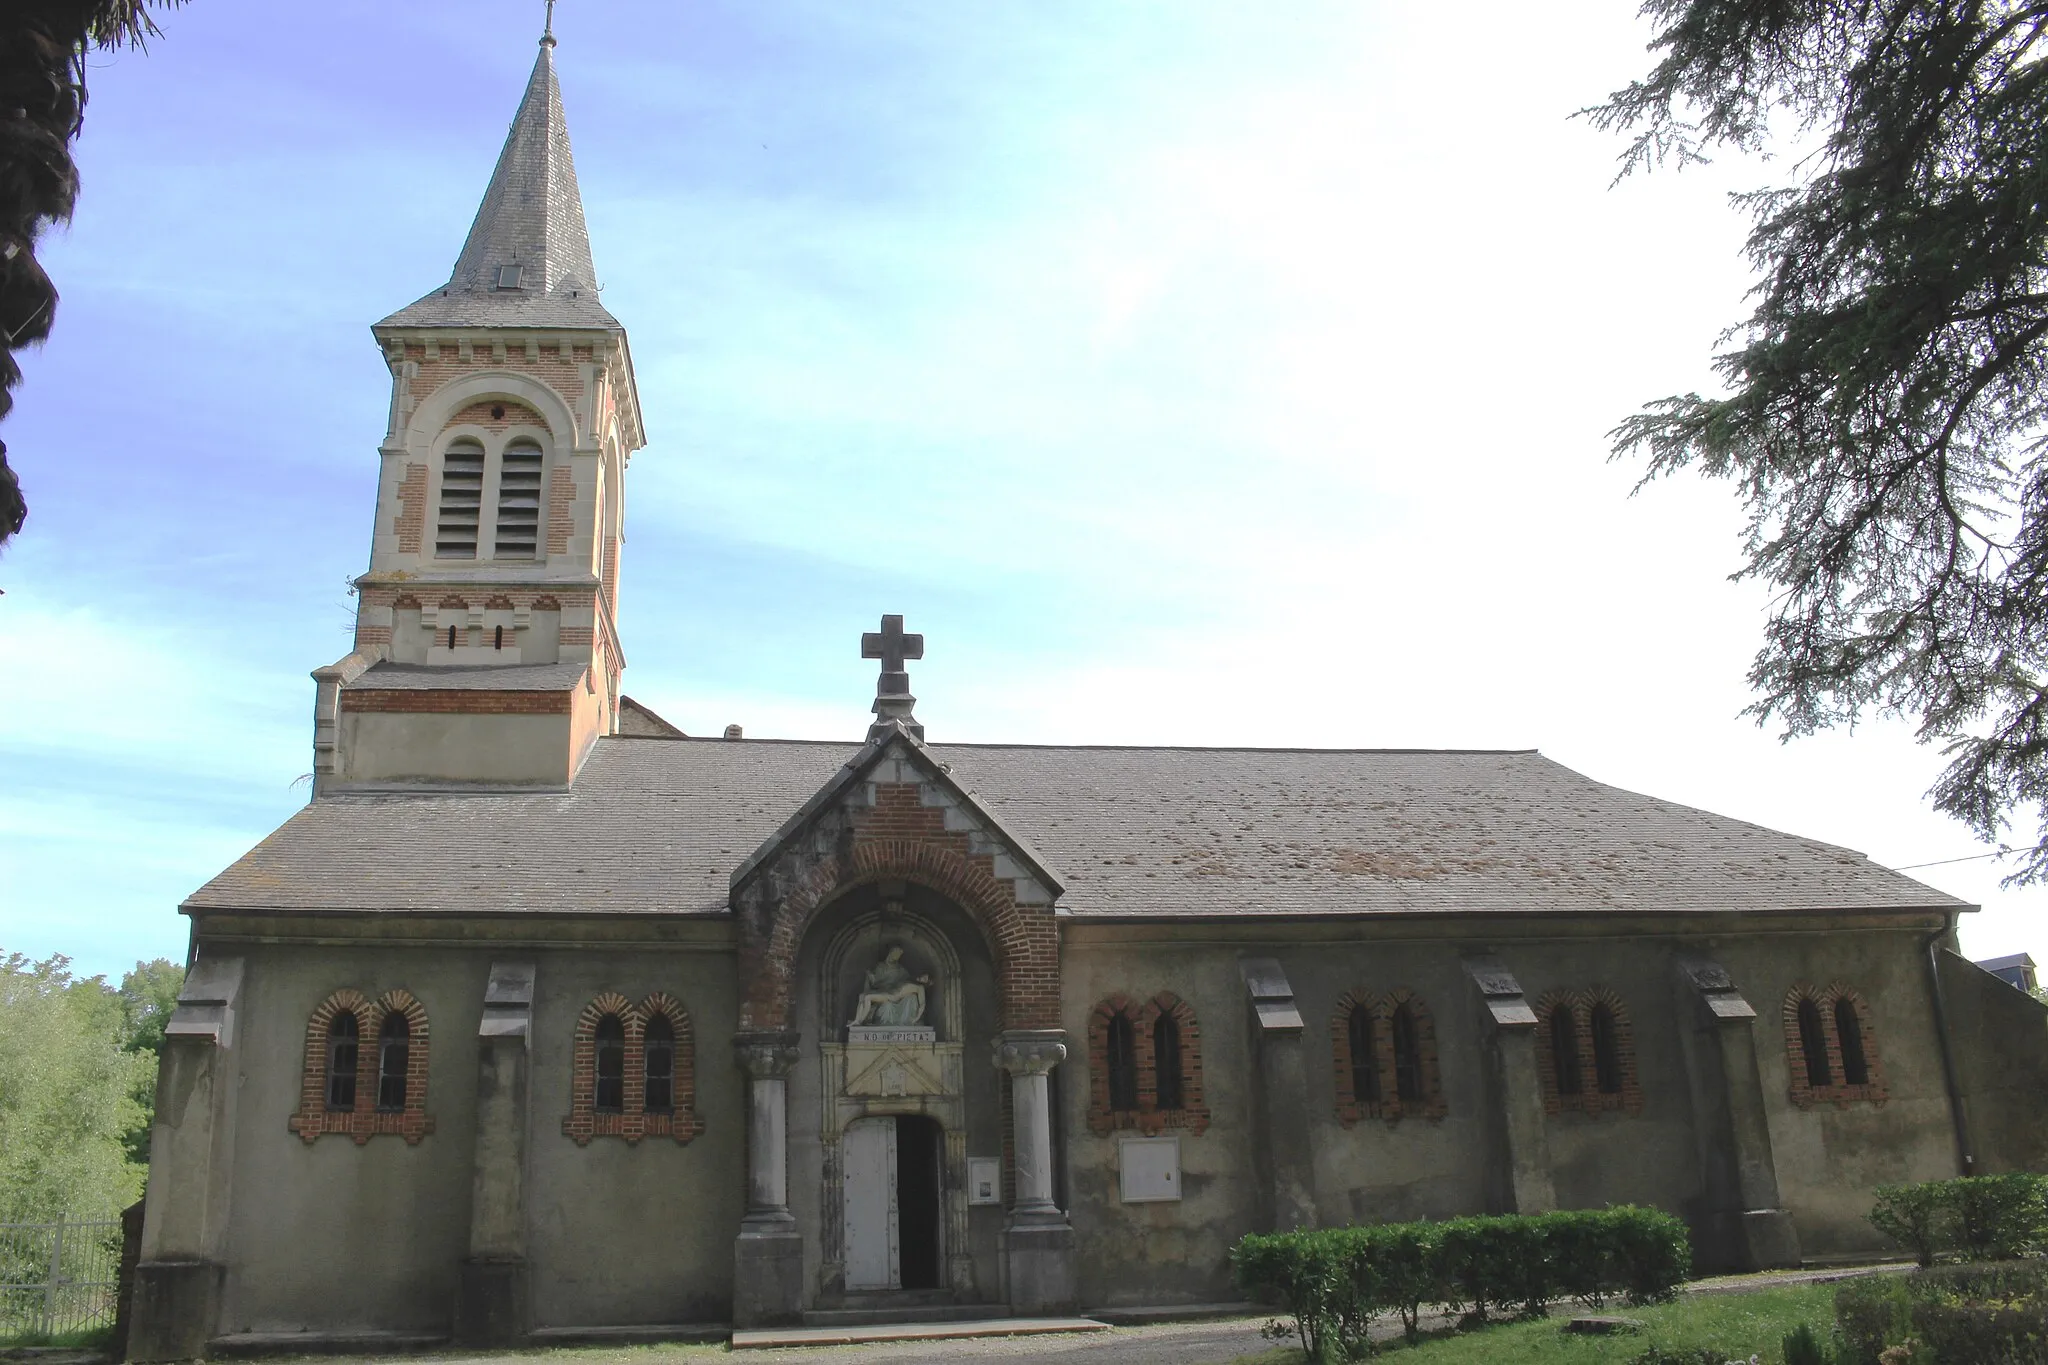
[[508, 276]]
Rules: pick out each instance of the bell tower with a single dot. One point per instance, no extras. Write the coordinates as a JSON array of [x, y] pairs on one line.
[[491, 598]]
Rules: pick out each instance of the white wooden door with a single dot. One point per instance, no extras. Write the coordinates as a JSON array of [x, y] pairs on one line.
[[867, 1153]]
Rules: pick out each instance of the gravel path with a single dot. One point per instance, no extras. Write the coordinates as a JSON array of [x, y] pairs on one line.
[[1184, 1343]]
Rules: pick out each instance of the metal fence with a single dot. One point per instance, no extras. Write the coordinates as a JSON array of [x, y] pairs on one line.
[[57, 1278]]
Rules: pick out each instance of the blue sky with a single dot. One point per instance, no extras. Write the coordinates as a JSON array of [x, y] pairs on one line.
[[1188, 373]]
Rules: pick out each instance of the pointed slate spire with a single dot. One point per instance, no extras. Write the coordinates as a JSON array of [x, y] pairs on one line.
[[527, 261]]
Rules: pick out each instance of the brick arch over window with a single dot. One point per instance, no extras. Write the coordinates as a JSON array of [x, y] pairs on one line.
[[405, 601], [584, 1122], [1023, 941], [1389, 1104], [1554, 1072], [1828, 1001], [1143, 1016], [364, 1120]]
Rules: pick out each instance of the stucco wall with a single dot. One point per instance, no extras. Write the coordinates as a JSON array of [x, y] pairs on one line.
[[530, 750], [332, 1236], [2002, 1065]]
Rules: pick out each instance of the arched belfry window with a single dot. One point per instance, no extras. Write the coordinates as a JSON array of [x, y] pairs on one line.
[[1813, 1045], [1166, 1061], [462, 499], [611, 1065], [343, 1039], [394, 1058], [1122, 1064], [1145, 1066], [633, 1072], [366, 1068], [658, 1055], [519, 471], [1829, 1050]]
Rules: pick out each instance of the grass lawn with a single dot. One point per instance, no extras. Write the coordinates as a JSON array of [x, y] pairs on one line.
[[1735, 1325]]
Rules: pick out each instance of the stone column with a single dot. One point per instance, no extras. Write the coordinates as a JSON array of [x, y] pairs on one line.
[[768, 1255], [178, 1277], [493, 1308], [1038, 1241], [1280, 1101], [1519, 1175], [1746, 1224]]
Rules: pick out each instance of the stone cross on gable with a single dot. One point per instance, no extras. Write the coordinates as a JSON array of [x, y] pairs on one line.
[[892, 690]]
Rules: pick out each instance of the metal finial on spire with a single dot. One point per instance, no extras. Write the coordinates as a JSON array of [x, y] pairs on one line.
[[547, 32]]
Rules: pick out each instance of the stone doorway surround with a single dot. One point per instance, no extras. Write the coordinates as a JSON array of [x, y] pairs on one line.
[[894, 814]]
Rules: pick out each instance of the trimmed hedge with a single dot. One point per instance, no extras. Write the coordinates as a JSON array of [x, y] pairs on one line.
[[1334, 1282], [1978, 1218], [1954, 1313]]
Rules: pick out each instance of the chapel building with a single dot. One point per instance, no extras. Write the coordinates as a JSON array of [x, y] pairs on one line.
[[545, 1021]]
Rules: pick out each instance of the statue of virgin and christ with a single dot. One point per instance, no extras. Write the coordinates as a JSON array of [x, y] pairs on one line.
[[890, 996]]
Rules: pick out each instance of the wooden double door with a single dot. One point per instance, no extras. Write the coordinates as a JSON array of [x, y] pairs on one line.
[[892, 1172]]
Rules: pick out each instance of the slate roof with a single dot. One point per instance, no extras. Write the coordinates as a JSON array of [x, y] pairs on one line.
[[656, 826], [390, 677], [531, 216]]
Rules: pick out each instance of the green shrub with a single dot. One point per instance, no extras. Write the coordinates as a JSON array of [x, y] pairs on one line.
[[1965, 1313], [1803, 1346], [1871, 1314], [1982, 1218], [1335, 1282]]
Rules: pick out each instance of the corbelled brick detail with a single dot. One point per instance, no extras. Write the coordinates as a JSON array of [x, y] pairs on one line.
[[1351, 1107], [410, 525], [1590, 1099], [584, 1122], [1148, 1117], [456, 701], [446, 363], [898, 837], [1840, 1094], [365, 1121]]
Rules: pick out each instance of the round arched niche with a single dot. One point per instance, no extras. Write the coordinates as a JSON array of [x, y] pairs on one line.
[[948, 1081]]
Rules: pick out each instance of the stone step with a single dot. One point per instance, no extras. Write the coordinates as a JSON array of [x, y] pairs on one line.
[[769, 1338], [870, 1315]]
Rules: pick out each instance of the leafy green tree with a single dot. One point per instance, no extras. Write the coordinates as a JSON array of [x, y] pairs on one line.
[[1884, 416], [148, 995], [68, 1094], [42, 107]]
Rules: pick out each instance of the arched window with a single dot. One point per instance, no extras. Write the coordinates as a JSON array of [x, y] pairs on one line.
[[611, 1065], [1813, 1045], [1166, 1061], [462, 499], [1122, 1064], [342, 1039], [1564, 1049], [394, 1056], [1407, 1054], [518, 502], [659, 1060], [1849, 1033], [1606, 1050], [1365, 1056]]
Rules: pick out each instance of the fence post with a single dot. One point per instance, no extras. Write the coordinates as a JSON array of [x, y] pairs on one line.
[[50, 1286]]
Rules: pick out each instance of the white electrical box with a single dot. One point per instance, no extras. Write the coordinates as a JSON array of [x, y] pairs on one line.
[[1148, 1169], [984, 1180]]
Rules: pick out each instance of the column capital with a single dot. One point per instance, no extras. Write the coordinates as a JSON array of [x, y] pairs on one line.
[[765, 1056], [1030, 1052]]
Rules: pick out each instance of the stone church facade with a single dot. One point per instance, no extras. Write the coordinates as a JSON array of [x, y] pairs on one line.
[[543, 1019]]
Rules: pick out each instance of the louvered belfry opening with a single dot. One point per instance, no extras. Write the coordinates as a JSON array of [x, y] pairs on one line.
[[462, 500], [519, 502]]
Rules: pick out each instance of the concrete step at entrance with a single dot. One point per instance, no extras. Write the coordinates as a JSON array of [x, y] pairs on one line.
[[870, 1314], [765, 1338]]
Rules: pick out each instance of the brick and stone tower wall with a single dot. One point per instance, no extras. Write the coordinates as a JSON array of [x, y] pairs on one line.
[[500, 503]]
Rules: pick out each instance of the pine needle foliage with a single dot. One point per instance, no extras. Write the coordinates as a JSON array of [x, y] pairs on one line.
[[43, 44], [1884, 417]]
